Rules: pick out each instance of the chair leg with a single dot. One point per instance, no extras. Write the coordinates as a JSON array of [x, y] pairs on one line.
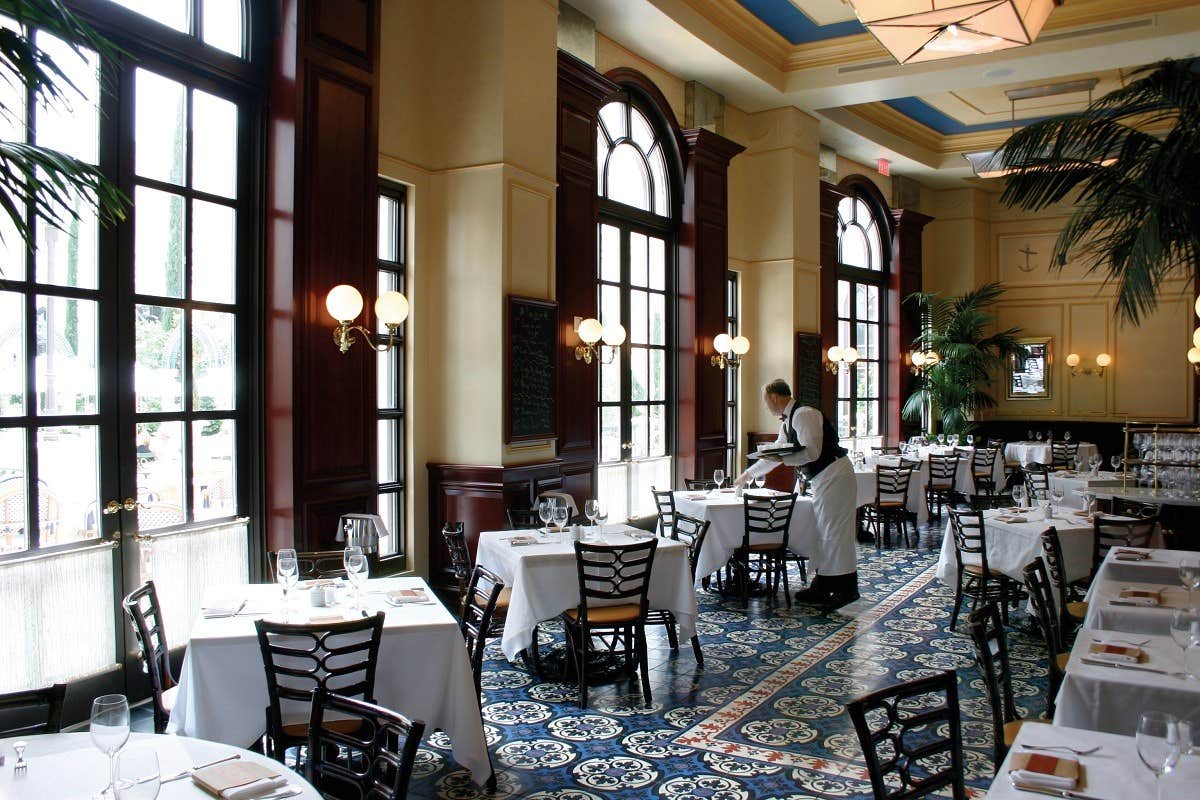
[[672, 638], [803, 571], [696, 650], [644, 660], [787, 589], [1004, 601], [582, 662], [958, 592]]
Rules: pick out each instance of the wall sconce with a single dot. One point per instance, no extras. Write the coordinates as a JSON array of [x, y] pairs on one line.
[[590, 332], [920, 360], [1102, 361], [1193, 354], [344, 303], [839, 357], [729, 350]]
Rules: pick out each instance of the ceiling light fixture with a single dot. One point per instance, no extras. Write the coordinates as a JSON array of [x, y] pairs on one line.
[[928, 30]]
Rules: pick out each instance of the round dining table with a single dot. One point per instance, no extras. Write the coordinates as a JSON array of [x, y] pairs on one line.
[[67, 765]]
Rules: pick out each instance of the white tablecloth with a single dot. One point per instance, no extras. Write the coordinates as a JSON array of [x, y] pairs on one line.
[[1114, 772], [545, 581], [64, 765], [726, 513], [1039, 452], [1074, 484], [964, 481], [1012, 545], [865, 475], [1162, 566], [1109, 699], [424, 672]]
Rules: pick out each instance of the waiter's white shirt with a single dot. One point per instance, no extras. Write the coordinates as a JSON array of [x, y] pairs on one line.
[[807, 423]]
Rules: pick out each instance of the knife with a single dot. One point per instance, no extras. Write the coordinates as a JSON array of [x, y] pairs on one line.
[[1098, 663], [1068, 794], [1133, 603]]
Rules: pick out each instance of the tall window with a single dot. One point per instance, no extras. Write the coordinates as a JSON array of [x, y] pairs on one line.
[[862, 286], [636, 268], [390, 380], [731, 377]]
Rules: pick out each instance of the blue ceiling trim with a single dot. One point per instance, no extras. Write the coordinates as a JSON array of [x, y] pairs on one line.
[[794, 25], [917, 109]]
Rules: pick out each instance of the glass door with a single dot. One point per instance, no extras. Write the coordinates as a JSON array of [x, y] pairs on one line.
[[633, 406]]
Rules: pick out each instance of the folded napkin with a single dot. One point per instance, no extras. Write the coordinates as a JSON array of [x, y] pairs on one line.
[[639, 535], [1011, 518], [1130, 555], [695, 496], [1115, 653], [1045, 771], [1141, 597], [324, 619], [521, 541], [400, 597], [238, 780], [219, 613]]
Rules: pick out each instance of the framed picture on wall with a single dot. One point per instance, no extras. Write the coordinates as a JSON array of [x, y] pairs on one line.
[[1029, 374]]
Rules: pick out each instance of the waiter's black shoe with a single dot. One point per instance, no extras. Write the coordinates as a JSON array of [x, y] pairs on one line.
[[816, 593], [842, 589]]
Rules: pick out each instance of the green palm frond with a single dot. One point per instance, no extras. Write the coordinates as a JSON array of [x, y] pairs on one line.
[[1131, 163]]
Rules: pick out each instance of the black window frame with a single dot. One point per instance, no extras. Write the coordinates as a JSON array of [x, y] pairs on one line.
[[399, 357], [732, 305]]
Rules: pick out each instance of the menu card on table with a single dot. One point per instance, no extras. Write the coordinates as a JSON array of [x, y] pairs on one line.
[[238, 780]]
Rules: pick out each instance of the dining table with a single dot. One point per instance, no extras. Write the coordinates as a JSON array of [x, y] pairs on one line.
[[964, 480], [1157, 572], [1037, 452], [540, 569], [1111, 770], [67, 765], [1074, 484], [914, 501], [725, 512], [424, 671]]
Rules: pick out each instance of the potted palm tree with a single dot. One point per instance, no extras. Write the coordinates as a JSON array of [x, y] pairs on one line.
[[54, 185], [959, 331], [1130, 162]]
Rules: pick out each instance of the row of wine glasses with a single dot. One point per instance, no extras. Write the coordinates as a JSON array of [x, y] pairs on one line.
[[287, 572], [1176, 448], [1032, 435], [554, 509]]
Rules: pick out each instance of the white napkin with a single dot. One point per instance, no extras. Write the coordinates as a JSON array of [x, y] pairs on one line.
[[220, 613], [1041, 780], [1011, 518], [1128, 598], [256, 789]]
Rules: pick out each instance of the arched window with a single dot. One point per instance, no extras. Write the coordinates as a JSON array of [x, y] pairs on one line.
[[863, 257], [635, 287]]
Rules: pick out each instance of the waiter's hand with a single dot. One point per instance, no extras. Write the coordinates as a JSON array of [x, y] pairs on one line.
[[741, 480], [772, 457]]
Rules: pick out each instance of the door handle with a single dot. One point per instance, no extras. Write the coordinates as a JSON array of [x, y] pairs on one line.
[[116, 506], [627, 445]]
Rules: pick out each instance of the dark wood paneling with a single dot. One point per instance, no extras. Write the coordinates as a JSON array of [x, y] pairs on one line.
[[782, 478], [345, 28], [905, 318]]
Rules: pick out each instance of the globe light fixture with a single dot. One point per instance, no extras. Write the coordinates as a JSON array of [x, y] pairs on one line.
[[344, 303]]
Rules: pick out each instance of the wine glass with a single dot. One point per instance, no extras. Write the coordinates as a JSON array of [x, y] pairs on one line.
[[1189, 575], [1058, 493], [1029, 435], [1018, 495], [561, 515], [356, 570], [1039, 436], [287, 572], [718, 477], [601, 514], [1158, 744], [953, 438], [1094, 462], [941, 439], [1044, 502], [1185, 630], [109, 730], [758, 481], [590, 509], [138, 776], [546, 511], [970, 440], [1066, 436]]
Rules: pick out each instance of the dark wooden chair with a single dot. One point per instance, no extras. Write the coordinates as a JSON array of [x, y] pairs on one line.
[[1041, 597], [521, 519], [699, 484], [885, 450], [1063, 454], [370, 758], [314, 564], [692, 533], [32, 712], [1110, 533], [459, 557], [975, 578], [1071, 610], [1037, 479], [477, 620], [338, 656], [991, 651], [613, 587], [943, 473], [664, 501], [145, 616], [911, 737], [764, 548], [983, 466], [891, 505]]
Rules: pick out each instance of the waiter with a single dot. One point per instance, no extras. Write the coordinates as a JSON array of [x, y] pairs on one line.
[[834, 491]]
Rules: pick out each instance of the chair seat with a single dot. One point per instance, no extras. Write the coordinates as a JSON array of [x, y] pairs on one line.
[[1011, 728], [766, 547], [505, 597], [1061, 659], [168, 698], [977, 569], [299, 730], [890, 504], [608, 615], [1078, 609]]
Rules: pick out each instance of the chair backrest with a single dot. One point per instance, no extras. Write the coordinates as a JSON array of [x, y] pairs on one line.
[[475, 618], [1037, 478], [1056, 571], [456, 548], [991, 650], [32, 711], [891, 483], [885, 450], [970, 536], [983, 460], [664, 501], [911, 737], [1062, 454], [1134, 508], [521, 519], [145, 616], [996, 444], [767, 518], [691, 532], [1110, 533], [699, 484], [614, 573], [1041, 597], [339, 656], [373, 762], [943, 469], [313, 564], [982, 502]]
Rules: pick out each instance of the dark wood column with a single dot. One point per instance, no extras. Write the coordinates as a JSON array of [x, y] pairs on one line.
[[581, 91], [321, 231], [831, 195], [703, 262], [904, 319]]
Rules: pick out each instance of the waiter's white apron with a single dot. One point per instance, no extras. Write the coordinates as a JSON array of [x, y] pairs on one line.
[[835, 498]]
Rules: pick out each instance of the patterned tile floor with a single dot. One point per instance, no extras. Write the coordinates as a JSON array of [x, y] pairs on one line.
[[763, 720]]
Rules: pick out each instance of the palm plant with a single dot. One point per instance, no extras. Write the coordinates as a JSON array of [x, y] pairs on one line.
[[969, 355], [1133, 156], [50, 183]]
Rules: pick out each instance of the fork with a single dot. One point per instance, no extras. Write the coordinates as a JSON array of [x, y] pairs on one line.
[[21, 765], [1122, 641], [1086, 752]]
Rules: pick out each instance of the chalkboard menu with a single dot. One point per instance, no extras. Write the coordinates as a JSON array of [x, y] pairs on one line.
[[530, 369], [807, 390]]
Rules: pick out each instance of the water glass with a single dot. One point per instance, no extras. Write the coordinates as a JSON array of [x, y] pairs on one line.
[[758, 481], [1018, 494], [970, 440], [109, 730], [1039, 436], [1158, 744], [1185, 630], [941, 439], [1029, 435], [1044, 502], [590, 509], [561, 515], [356, 566], [1094, 462], [545, 511], [718, 477], [1189, 575], [138, 776], [1058, 494], [287, 572]]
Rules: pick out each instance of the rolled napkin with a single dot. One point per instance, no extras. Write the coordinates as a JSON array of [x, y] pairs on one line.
[[1115, 653], [1044, 771], [521, 541], [400, 597], [1140, 597], [1130, 555], [239, 780]]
